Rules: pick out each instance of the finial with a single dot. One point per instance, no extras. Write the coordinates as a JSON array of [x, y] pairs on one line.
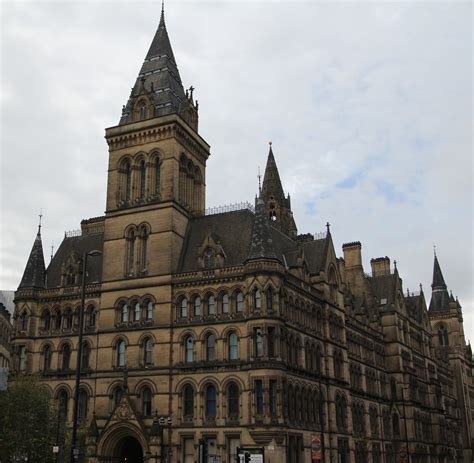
[[408, 292], [52, 250], [259, 180], [328, 225], [270, 143], [434, 249], [395, 264], [191, 90], [40, 217], [421, 288]]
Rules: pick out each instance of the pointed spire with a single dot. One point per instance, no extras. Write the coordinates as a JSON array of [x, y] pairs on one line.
[[274, 197], [438, 279], [261, 245], [271, 179], [35, 273], [158, 81], [439, 294]]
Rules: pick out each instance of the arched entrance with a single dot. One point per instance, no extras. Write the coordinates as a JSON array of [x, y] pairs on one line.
[[129, 450], [122, 442]]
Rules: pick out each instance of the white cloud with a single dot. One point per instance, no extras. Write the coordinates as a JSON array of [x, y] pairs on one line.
[[369, 107]]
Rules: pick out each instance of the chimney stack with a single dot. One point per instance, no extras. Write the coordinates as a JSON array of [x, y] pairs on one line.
[[380, 266]]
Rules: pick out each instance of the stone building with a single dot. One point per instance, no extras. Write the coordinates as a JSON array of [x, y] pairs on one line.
[[230, 328], [5, 333]]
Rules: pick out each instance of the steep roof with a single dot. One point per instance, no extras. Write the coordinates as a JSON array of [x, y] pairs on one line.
[[158, 78], [238, 233], [271, 180], [34, 274], [439, 295], [76, 245]]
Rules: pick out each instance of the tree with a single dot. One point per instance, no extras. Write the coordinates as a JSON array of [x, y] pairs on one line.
[[28, 422]]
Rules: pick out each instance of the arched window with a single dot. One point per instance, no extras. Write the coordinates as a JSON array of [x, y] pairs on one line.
[[258, 342], [269, 299], [117, 396], [225, 303], [209, 258], [143, 248], [233, 395], [188, 402], [184, 308], [70, 277], [395, 425], [24, 321], [341, 412], [137, 312], [130, 257], [68, 319], [91, 316], [82, 404], [124, 313], [443, 336], [46, 358], [332, 285], [142, 169], [66, 357], [239, 299], [374, 420], [197, 306], [157, 178], [210, 401], [86, 351], [46, 319], [147, 351], [257, 299], [338, 364], [146, 401], [317, 360], [149, 310], [233, 346], [128, 181], [62, 406], [57, 319], [121, 353], [210, 347], [211, 305], [188, 349]]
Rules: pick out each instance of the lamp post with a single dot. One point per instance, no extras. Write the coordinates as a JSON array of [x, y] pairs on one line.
[[74, 450]]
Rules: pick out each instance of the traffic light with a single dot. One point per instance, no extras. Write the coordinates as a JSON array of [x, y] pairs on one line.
[[247, 457]]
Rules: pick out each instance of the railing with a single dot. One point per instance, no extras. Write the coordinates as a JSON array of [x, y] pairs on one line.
[[73, 233], [230, 208]]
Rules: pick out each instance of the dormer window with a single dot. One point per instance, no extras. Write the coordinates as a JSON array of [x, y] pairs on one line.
[[70, 277], [209, 258]]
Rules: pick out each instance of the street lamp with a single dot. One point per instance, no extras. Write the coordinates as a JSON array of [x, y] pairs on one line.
[[74, 450]]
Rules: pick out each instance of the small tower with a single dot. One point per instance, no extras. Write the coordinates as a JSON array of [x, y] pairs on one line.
[[35, 273], [278, 206], [157, 165]]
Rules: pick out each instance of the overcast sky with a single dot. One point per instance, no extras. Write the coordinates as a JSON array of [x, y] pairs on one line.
[[368, 105]]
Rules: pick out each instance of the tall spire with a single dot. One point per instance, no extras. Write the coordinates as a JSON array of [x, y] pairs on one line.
[[271, 179], [439, 295], [158, 89], [35, 273], [278, 207]]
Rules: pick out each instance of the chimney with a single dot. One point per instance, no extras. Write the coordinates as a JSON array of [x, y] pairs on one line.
[[380, 266], [352, 254]]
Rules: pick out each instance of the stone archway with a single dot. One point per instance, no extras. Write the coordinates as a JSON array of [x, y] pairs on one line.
[[122, 443], [129, 450]]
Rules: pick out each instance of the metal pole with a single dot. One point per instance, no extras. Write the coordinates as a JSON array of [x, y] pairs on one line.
[[74, 453]]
